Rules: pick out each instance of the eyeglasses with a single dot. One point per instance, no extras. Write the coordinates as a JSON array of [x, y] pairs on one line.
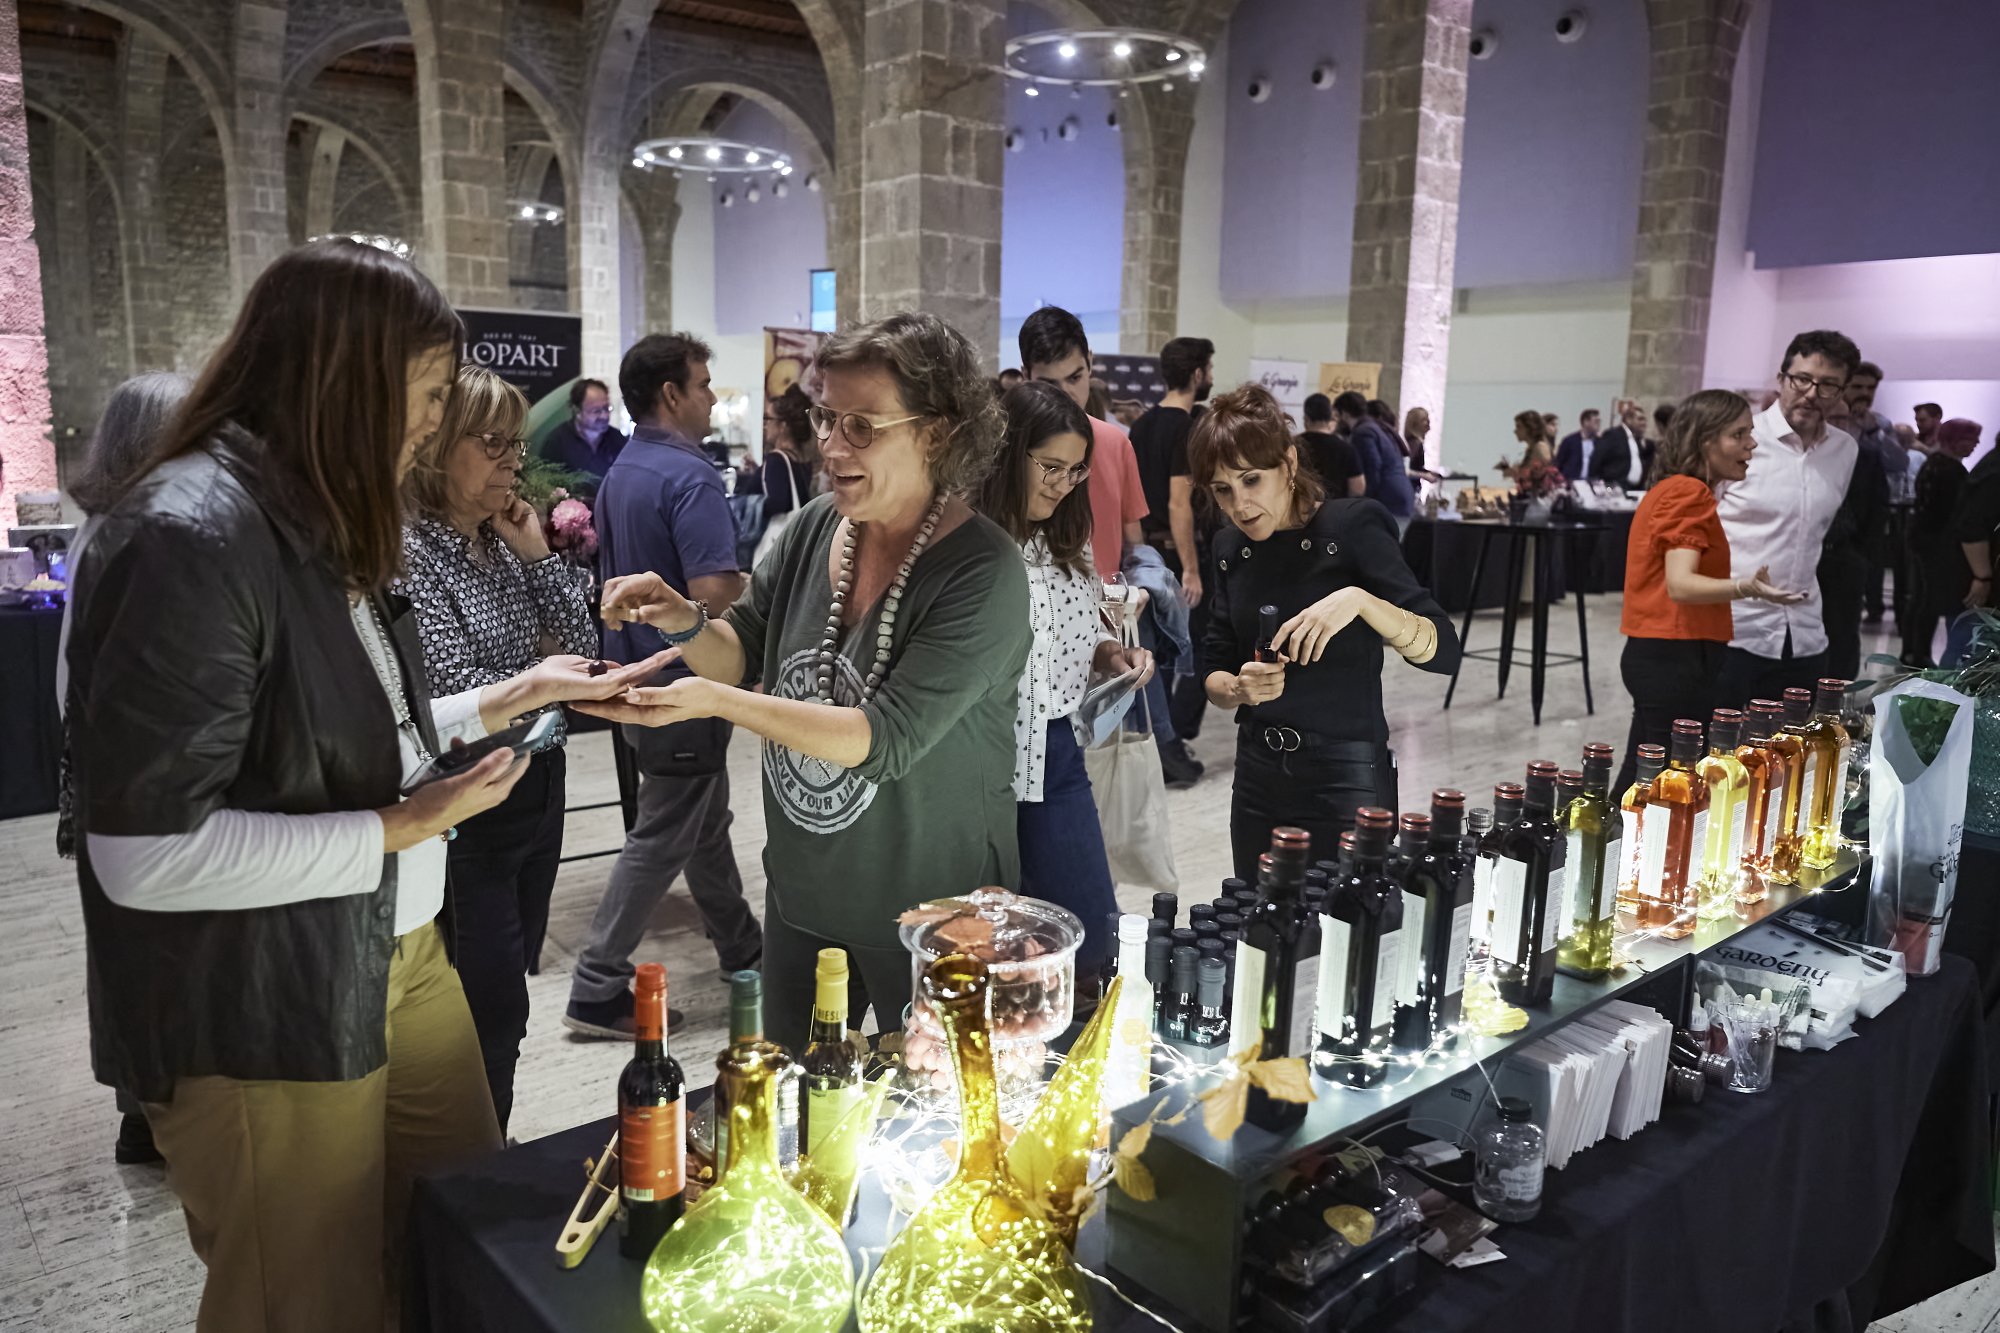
[[498, 446], [1052, 473], [859, 430], [1807, 384]]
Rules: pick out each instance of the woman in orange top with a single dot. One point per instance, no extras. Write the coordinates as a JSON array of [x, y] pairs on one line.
[[1677, 584]]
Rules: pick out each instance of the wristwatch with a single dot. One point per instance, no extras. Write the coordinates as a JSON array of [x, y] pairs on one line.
[[675, 640]]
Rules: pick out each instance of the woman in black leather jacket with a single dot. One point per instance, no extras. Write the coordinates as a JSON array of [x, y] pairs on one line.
[[263, 968]]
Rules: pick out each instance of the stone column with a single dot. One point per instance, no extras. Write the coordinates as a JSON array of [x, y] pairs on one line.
[[1694, 46], [69, 328], [1406, 201], [462, 137], [144, 248], [656, 197], [837, 30], [931, 162], [329, 145], [24, 356], [259, 230], [1157, 125]]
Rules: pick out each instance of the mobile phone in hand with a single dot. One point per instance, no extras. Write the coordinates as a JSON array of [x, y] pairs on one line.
[[523, 738]]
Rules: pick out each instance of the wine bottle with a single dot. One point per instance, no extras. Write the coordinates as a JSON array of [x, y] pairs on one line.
[[1645, 851], [1128, 1072], [1276, 973], [1159, 950], [1442, 877], [1177, 1010], [830, 1069], [1765, 762], [1209, 1029], [1594, 859], [1667, 906], [1267, 633], [1360, 960], [1728, 808], [1199, 913], [746, 1027], [652, 1125], [1528, 893], [1830, 748], [1793, 814], [1167, 908], [1506, 813], [1410, 1021]]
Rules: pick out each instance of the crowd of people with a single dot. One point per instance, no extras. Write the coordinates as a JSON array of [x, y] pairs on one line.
[[309, 574]]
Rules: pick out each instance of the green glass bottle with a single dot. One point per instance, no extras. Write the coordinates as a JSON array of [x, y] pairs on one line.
[[1584, 810], [751, 1253]]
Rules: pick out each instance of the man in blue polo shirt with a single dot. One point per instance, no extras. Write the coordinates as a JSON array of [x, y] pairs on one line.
[[662, 509]]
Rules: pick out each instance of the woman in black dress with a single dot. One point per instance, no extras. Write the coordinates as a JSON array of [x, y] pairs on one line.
[[1312, 742]]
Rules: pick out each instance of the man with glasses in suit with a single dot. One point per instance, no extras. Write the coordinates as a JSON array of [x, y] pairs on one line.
[[1779, 514]]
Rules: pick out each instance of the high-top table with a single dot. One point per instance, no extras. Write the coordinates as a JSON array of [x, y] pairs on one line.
[[30, 727]]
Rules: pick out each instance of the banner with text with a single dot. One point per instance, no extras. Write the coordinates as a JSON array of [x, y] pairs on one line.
[[1337, 377], [536, 352], [1288, 382]]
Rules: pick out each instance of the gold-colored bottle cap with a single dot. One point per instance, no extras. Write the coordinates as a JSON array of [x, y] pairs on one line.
[[830, 982]]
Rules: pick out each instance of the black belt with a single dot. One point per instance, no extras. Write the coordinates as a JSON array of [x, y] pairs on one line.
[[1290, 740]]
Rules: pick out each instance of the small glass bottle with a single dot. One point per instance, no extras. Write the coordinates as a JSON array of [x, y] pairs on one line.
[[1668, 906], [1506, 813], [1529, 893], [1766, 768], [1592, 920], [1361, 942], [1209, 1030], [1128, 1074], [1509, 1161], [1177, 1005], [1728, 785], [1830, 747], [1789, 741], [1645, 845]]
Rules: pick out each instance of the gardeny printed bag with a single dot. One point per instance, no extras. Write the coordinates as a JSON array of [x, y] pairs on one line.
[[1918, 766]]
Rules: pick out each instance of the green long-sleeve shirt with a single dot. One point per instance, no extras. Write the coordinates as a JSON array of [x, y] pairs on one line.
[[930, 812]]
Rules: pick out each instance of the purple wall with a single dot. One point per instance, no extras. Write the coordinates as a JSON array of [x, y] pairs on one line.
[[1062, 217], [764, 252], [1875, 138], [1553, 138]]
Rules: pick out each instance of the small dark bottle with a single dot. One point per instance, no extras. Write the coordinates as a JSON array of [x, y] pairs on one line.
[[1208, 1030], [1361, 943], [1179, 1006], [1506, 810], [1527, 889], [1159, 950], [1267, 632], [1317, 883], [652, 1126], [1199, 913], [1167, 908], [1206, 930], [1276, 960], [1443, 877], [1414, 834]]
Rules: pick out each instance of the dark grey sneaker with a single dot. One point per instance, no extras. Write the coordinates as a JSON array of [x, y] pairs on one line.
[[610, 1020], [1180, 769], [135, 1143]]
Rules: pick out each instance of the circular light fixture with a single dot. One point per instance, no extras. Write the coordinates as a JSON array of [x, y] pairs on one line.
[[1033, 91], [534, 212], [717, 156], [1099, 57], [395, 245]]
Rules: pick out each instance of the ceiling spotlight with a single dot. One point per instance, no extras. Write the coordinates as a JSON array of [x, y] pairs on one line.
[[1032, 91], [528, 212], [639, 162], [1123, 50], [1195, 70], [752, 195], [728, 200], [785, 169], [713, 154], [1067, 50], [677, 174], [674, 153], [779, 189], [812, 182], [1173, 54], [753, 157]]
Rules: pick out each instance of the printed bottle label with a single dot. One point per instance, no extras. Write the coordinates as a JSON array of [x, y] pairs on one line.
[[1246, 999], [1774, 811], [1482, 898], [1461, 945], [1633, 851], [1734, 851], [1520, 1184], [825, 1108], [1510, 887], [1653, 851], [1305, 990], [1697, 846], [1609, 865], [1807, 791], [1330, 1013], [1555, 911], [1388, 967], [1413, 958], [652, 1152]]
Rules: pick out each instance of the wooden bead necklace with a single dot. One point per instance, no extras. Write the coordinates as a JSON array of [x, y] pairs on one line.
[[829, 646]]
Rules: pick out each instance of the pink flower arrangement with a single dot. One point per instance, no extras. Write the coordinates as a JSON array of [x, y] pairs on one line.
[[571, 530]]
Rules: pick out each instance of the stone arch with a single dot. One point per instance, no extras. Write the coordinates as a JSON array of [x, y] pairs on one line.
[[310, 64], [196, 58], [105, 157], [318, 113]]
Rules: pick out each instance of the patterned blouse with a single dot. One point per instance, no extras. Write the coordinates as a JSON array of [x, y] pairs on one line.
[[483, 615], [1063, 612]]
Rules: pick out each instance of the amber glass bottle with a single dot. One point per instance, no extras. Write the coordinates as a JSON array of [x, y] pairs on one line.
[[1645, 850], [1766, 769], [1828, 747], [1668, 908]]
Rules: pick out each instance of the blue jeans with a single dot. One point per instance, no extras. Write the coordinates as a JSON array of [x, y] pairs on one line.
[[1062, 847]]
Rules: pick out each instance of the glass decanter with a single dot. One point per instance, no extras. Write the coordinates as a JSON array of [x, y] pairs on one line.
[[976, 1257], [752, 1255]]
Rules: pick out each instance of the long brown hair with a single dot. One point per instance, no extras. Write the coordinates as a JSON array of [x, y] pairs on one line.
[[317, 369], [1245, 428], [1700, 418], [1036, 411]]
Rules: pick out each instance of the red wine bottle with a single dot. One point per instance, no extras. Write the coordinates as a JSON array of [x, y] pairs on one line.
[[1361, 961], [1276, 973], [1528, 894], [652, 1126]]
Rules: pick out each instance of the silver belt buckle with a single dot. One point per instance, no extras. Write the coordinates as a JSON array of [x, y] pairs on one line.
[[1282, 739]]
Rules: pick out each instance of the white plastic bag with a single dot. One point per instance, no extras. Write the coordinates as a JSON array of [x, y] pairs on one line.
[[1916, 815], [1130, 790]]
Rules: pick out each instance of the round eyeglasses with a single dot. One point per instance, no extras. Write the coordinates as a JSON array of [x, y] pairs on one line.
[[858, 430], [498, 446]]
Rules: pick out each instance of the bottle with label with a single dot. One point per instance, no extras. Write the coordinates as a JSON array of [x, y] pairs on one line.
[[1584, 810], [830, 1069], [1177, 1009], [1680, 800], [1530, 894], [1129, 1069], [1410, 1026], [1510, 1158], [652, 1125], [1277, 960], [1728, 785], [1159, 950], [1440, 878], [1506, 813], [1645, 845], [1765, 768], [746, 1028], [1208, 1031], [1829, 748], [1789, 741], [1361, 943]]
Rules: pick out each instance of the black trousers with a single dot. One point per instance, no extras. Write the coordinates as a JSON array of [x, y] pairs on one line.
[[1843, 579], [876, 976], [1315, 788], [503, 869], [1187, 693], [1668, 679], [1746, 676]]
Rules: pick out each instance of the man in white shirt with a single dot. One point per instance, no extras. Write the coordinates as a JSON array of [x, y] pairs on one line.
[[1778, 516]]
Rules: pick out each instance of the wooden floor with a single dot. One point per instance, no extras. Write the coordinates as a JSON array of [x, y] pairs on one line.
[[86, 1245]]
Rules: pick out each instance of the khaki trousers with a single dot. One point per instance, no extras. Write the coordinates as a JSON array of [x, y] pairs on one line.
[[296, 1193]]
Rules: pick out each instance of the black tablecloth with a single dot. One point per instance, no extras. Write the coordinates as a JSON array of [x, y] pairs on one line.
[[30, 728], [1443, 552], [1857, 1186]]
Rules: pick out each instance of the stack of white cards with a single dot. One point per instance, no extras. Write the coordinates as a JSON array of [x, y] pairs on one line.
[[1603, 1074]]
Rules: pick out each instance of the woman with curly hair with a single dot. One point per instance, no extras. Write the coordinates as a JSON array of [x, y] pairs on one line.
[[888, 628]]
